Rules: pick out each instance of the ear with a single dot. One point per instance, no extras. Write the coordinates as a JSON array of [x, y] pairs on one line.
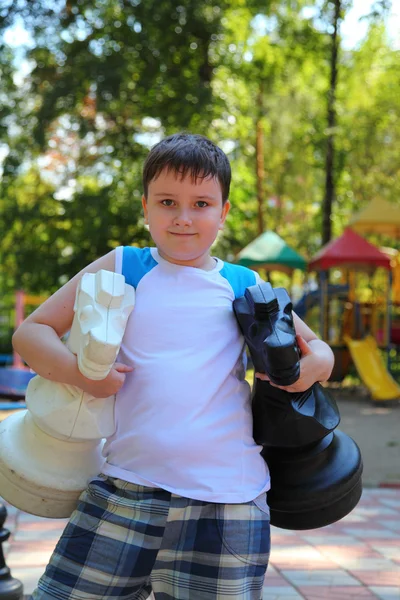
[[145, 211], [224, 214]]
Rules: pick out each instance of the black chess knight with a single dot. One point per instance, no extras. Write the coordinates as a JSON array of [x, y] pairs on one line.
[[315, 469]]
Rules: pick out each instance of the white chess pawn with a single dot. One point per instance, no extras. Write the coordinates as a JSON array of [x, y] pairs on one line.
[[50, 451]]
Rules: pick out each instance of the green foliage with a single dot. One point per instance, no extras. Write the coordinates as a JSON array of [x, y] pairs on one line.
[[370, 124], [129, 58]]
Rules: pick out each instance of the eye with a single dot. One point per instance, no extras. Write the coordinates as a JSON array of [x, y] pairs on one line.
[[201, 203], [167, 202]]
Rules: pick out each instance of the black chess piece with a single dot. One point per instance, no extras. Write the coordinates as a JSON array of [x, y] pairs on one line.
[[315, 469], [10, 588]]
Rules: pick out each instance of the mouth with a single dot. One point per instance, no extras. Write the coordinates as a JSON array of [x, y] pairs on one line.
[[181, 234]]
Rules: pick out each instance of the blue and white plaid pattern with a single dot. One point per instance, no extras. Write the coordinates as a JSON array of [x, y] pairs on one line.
[[125, 541]]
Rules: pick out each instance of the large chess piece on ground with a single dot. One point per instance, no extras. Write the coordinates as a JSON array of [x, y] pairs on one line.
[[315, 469], [50, 451]]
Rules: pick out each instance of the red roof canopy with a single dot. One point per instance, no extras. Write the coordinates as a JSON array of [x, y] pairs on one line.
[[349, 250]]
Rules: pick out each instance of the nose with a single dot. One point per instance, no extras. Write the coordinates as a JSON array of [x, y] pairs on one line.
[[183, 218]]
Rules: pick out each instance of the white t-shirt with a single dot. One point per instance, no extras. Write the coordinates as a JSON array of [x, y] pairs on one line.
[[183, 417]]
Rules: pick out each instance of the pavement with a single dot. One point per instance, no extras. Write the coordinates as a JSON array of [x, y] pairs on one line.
[[355, 558]]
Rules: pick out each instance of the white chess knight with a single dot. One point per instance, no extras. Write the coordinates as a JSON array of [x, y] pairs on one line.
[[50, 451]]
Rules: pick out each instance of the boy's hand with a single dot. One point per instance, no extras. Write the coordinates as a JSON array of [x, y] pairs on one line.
[[308, 369], [108, 386]]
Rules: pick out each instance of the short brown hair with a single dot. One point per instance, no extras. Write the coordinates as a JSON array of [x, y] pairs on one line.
[[188, 153]]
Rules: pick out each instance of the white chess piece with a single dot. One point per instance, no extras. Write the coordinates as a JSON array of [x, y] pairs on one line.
[[50, 451]]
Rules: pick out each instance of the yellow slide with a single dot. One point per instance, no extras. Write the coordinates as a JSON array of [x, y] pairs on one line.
[[371, 368]]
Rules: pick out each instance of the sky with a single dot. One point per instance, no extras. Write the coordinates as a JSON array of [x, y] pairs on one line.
[[353, 30]]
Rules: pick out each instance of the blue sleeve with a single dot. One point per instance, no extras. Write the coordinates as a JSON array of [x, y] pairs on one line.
[[136, 262], [238, 277]]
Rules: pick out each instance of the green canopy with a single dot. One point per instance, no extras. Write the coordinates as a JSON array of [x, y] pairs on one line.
[[270, 252]]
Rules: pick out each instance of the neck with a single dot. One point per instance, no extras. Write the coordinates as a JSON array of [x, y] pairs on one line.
[[205, 262]]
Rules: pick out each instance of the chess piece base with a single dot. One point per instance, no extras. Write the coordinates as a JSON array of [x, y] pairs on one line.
[[316, 486], [43, 475]]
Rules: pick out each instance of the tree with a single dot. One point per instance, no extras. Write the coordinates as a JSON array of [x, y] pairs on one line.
[[327, 204], [107, 80], [271, 81], [369, 124]]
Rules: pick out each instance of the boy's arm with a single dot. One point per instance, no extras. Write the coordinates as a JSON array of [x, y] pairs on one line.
[[38, 341], [316, 361]]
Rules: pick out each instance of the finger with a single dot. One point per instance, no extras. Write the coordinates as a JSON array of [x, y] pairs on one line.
[[121, 368], [262, 376], [303, 346]]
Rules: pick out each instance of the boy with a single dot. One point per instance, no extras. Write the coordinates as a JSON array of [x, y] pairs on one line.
[[180, 508]]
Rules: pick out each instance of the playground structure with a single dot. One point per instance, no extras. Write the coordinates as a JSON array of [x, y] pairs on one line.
[[356, 304], [270, 252], [358, 322], [378, 217], [370, 366]]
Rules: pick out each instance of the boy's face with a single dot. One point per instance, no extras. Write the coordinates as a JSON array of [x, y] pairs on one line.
[[184, 216]]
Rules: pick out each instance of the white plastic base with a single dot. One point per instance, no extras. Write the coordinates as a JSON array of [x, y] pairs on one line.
[[54, 490]]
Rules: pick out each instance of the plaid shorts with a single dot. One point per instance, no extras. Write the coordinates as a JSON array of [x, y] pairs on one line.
[[126, 541]]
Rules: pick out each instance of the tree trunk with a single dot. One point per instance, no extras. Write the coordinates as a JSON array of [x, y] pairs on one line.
[[260, 174], [330, 145]]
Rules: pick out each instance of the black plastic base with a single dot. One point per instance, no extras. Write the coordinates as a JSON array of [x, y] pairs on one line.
[[11, 589], [319, 516], [317, 486]]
